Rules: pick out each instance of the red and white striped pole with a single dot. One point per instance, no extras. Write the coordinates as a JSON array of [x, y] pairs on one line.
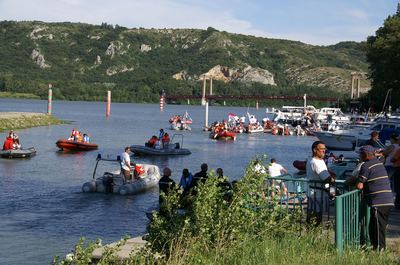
[[162, 103], [50, 98], [108, 107]]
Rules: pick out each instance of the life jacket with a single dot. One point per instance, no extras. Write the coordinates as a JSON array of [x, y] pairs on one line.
[[165, 138], [153, 141], [139, 170], [8, 144]]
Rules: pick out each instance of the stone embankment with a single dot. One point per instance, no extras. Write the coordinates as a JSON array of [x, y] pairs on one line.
[[21, 120]]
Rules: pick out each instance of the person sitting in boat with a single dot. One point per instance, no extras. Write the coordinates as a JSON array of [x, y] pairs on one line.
[[86, 138], [74, 134], [165, 140], [16, 143], [8, 143], [186, 181], [152, 142]]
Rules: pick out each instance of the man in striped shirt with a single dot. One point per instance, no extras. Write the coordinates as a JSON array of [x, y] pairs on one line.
[[374, 182]]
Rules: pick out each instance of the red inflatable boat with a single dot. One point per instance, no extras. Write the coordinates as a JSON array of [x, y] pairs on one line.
[[70, 145]]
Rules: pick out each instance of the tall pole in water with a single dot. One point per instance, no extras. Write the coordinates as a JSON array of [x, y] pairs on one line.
[[305, 101], [49, 100], [203, 98], [162, 101], [257, 104], [108, 107]]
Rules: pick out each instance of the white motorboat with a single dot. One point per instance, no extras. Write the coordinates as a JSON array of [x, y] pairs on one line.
[[114, 182], [331, 114], [349, 139]]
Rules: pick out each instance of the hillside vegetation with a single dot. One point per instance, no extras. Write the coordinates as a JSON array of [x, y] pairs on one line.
[[83, 61]]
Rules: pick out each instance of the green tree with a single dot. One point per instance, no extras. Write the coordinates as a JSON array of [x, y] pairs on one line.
[[383, 54]]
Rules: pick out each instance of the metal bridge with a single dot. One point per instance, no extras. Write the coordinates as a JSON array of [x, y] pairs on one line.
[[244, 97]]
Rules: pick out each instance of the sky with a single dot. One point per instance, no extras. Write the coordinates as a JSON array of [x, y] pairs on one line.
[[317, 22]]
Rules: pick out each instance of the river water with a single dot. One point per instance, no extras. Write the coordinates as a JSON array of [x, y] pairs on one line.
[[43, 211]]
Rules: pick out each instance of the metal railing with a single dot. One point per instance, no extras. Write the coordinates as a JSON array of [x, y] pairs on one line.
[[350, 212], [351, 220]]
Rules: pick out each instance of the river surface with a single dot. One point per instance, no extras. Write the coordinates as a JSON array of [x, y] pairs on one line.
[[43, 211]]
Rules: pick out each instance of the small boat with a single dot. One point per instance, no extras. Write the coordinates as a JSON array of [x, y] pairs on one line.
[[169, 149], [70, 145], [178, 126], [18, 153], [224, 135], [114, 182]]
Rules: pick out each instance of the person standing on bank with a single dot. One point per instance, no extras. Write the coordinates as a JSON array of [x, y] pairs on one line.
[[165, 184], [374, 182], [317, 171], [126, 164]]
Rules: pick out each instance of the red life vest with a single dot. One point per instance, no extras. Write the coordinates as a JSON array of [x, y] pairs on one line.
[[8, 144]]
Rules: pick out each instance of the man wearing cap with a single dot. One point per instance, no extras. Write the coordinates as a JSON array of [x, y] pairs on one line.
[[317, 171], [374, 182]]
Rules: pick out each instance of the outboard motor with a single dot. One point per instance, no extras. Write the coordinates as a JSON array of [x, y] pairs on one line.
[[108, 182]]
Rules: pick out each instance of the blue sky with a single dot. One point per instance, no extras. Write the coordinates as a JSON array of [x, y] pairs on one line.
[[318, 22]]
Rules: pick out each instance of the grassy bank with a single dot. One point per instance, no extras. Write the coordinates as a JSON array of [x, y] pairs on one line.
[[18, 95], [21, 120]]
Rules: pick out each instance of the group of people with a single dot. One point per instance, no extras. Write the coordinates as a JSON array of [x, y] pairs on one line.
[[162, 140], [12, 141], [188, 182], [372, 178], [79, 136]]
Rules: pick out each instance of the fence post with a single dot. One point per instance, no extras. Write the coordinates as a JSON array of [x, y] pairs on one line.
[[339, 224]]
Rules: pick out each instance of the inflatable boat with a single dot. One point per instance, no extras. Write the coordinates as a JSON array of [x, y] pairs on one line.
[[114, 182], [18, 153], [225, 136], [174, 148], [70, 145]]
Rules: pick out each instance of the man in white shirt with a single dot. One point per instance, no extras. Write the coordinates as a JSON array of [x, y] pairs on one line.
[[126, 164], [276, 170], [317, 170]]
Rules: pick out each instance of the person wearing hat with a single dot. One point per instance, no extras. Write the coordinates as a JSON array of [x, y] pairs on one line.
[[374, 140], [374, 182]]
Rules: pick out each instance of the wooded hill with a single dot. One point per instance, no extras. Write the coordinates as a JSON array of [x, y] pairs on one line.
[[83, 61]]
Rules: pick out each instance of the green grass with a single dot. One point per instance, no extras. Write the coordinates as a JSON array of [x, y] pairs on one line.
[[18, 95]]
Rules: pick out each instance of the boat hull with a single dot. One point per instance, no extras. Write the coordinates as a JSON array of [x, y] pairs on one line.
[[69, 145], [114, 182], [18, 153], [144, 150], [336, 141]]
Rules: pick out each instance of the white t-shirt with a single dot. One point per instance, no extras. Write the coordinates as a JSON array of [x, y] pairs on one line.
[[316, 169], [125, 159], [275, 169]]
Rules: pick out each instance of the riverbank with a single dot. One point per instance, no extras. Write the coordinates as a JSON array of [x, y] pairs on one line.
[[18, 95], [21, 120]]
